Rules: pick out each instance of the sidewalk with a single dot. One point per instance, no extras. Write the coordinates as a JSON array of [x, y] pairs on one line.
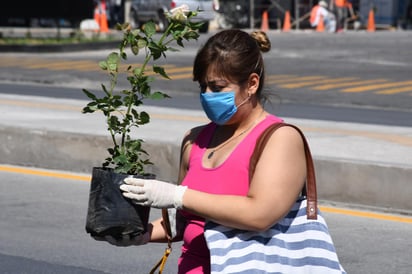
[[358, 164]]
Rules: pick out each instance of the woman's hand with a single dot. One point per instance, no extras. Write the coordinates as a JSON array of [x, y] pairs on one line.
[[154, 193]]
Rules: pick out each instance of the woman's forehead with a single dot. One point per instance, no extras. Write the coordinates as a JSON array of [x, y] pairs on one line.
[[213, 73]]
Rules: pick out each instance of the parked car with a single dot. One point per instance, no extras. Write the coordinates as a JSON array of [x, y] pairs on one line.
[[145, 10]]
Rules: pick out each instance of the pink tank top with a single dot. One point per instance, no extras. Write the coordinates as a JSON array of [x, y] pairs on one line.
[[231, 177]]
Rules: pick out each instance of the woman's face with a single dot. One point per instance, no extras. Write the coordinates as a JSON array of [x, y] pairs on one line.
[[218, 83]]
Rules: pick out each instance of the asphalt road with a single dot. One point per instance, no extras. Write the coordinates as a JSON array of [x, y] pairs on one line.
[[42, 217], [42, 231], [355, 76]]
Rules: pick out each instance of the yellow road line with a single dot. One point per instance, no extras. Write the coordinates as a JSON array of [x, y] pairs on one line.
[[69, 65], [334, 210], [317, 82], [181, 76], [77, 65], [366, 214], [294, 79], [78, 109], [44, 173], [277, 76], [395, 90], [21, 103], [282, 79], [348, 84], [18, 62], [378, 86]]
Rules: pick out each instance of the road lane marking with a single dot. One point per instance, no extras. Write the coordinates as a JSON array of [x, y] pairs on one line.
[[366, 214], [286, 81], [378, 86], [318, 82], [172, 117], [70, 65], [395, 90], [348, 84], [294, 79], [42, 105], [279, 76], [181, 76], [87, 178], [44, 173]]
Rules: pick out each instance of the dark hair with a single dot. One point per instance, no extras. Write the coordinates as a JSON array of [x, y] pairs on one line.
[[235, 54]]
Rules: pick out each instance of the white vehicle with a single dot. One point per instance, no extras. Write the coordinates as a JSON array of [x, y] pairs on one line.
[[145, 10]]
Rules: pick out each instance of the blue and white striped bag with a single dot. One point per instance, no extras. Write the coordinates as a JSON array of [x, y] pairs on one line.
[[299, 243], [293, 245]]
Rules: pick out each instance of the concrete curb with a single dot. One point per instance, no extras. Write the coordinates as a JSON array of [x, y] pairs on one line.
[[349, 182], [59, 48]]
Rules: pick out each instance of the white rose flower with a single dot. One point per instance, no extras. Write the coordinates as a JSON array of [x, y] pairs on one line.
[[179, 13]]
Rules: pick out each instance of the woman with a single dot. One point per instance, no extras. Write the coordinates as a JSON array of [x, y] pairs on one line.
[[214, 170]]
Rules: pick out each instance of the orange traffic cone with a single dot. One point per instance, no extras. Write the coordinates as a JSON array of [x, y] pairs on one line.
[[97, 15], [265, 21], [320, 26], [286, 22], [104, 27], [371, 21]]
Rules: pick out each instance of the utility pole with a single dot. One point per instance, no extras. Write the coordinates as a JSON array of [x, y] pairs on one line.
[[297, 14], [252, 14], [127, 6]]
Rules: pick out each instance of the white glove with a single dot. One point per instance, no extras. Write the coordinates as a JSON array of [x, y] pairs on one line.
[[126, 240], [154, 193]]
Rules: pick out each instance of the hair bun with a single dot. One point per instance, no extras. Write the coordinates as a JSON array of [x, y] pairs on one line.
[[262, 40]]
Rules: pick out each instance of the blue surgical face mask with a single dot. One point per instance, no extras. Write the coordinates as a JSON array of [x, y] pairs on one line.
[[219, 106]]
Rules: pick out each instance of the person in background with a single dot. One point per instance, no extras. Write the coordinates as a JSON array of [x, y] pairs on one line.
[[341, 8], [213, 181], [321, 12], [409, 16], [116, 8]]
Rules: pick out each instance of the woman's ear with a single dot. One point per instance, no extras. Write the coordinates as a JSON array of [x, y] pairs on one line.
[[253, 83]]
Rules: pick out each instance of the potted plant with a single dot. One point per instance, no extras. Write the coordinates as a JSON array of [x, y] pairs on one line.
[[109, 213]]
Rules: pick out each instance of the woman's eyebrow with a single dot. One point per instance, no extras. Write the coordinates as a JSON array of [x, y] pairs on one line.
[[217, 82]]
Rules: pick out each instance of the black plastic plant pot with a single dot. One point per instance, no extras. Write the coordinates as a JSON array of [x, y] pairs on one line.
[[109, 212]]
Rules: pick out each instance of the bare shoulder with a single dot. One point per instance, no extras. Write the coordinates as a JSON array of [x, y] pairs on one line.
[[186, 147], [190, 138], [285, 137], [192, 134], [287, 131]]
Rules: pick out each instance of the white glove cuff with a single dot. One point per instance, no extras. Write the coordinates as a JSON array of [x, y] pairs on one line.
[[178, 197]]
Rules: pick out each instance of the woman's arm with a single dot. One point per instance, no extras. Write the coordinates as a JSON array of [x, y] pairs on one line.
[[276, 184], [278, 179]]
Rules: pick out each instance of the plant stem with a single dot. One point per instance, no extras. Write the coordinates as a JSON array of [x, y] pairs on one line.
[[113, 83]]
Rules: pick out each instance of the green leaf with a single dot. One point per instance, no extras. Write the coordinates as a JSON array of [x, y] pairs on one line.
[[159, 95], [89, 94], [103, 65], [113, 60], [142, 43], [144, 117], [160, 70], [137, 71], [149, 28], [135, 49], [156, 50]]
